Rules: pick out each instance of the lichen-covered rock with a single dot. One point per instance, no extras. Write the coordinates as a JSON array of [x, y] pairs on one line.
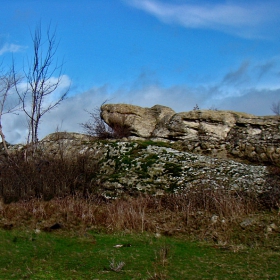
[[133, 167]]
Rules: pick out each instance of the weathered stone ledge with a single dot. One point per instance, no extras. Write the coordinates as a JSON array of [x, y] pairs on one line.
[[218, 133]]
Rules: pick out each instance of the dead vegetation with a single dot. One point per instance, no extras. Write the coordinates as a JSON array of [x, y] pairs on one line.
[[200, 215], [96, 126], [45, 176]]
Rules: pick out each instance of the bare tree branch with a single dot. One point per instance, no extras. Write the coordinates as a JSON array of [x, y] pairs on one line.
[[8, 82], [41, 82]]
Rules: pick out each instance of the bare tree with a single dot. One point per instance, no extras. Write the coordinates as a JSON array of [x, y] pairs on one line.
[[8, 82], [275, 108], [43, 77]]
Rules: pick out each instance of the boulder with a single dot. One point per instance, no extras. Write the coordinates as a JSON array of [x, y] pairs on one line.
[[141, 121]]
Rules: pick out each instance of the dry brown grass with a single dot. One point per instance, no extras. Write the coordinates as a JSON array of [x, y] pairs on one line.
[[212, 216], [46, 176]]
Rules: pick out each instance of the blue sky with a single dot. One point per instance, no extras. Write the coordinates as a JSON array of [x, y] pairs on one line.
[[222, 54]]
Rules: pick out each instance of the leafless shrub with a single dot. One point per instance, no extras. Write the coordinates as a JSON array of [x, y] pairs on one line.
[[213, 108], [59, 189], [97, 127], [275, 108], [128, 214], [196, 108], [46, 177], [135, 213], [225, 203], [204, 215]]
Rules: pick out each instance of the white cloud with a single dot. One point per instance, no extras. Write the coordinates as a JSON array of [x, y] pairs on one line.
[[11, 48], [240, 19], [64, 83]]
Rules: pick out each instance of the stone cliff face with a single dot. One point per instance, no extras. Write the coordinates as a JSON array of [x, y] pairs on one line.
[[217, 133]]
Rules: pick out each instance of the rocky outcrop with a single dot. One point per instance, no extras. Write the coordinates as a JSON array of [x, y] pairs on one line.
[[131, 167], [217, 133]]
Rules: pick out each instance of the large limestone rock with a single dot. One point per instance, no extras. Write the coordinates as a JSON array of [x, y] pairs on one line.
[[142, 121], [218, 133]]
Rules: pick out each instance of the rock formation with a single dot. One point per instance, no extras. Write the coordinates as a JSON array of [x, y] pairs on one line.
[[142, 121], [184, 151], [217, 133], [133, 167]]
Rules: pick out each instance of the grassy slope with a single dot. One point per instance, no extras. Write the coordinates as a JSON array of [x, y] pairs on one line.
[[58, 255]]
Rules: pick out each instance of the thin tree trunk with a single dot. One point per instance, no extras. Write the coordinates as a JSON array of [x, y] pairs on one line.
[[4, 141]]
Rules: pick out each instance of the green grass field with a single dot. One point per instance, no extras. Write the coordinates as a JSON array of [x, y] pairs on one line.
[[65, 255]]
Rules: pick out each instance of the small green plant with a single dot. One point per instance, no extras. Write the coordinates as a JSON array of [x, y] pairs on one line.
[[173, 169], [148, 161]]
